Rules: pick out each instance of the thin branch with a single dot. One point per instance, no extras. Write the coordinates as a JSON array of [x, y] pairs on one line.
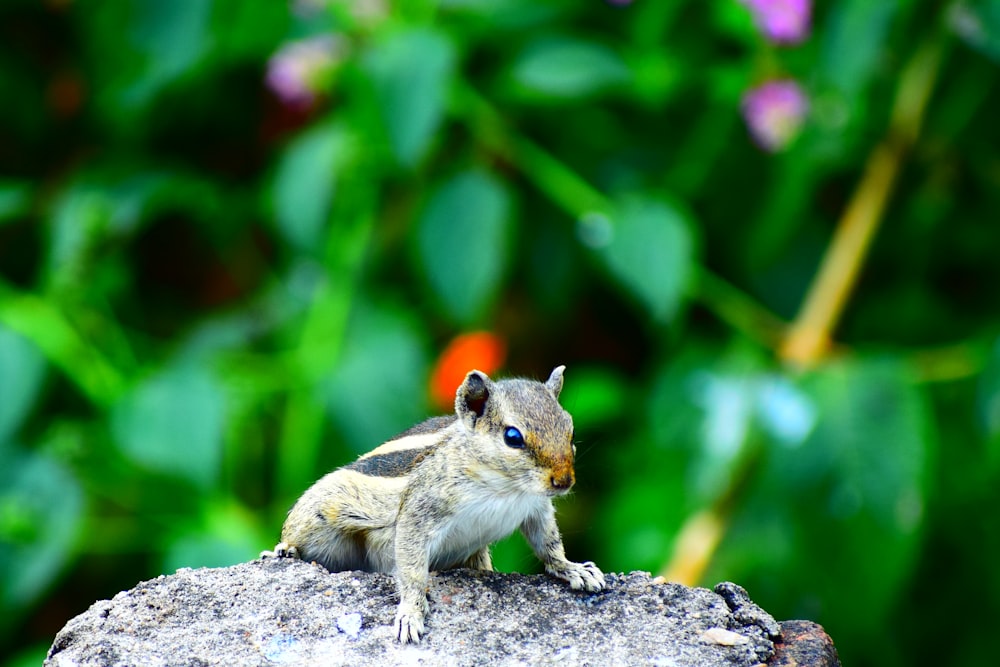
[[694, 547], [739, 310], [809, 338]]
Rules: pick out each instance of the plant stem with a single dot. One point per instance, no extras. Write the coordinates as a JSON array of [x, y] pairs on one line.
[[567, 189], [695, 544], [738, 309], [809, 338]]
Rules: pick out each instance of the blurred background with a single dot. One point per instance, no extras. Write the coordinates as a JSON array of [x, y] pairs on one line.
[[243, 242]]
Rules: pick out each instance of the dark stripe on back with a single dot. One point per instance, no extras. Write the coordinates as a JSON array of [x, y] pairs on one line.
[[390, 464], [430, 426]]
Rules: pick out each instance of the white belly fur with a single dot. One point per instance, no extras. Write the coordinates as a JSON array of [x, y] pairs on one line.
[[479, 523]]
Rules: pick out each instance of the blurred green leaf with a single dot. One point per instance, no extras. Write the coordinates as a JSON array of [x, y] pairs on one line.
[[109, 204], [497, 17], [854, 41], [462, 243], [98, 206], [78, 220], [305, 183], [651, 253], [15, 199], [411, 72], [172, 423], [977, 23], [22, 369], [378, 388], [169, 38], [47, 328], [41, 507], [568, 68]]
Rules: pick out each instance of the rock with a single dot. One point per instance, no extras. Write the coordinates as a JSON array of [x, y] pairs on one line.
[[350, 624], [290, 612], [804, 644]]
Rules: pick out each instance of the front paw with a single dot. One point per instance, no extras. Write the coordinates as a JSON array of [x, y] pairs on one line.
[[281, 550], [409, 626], [580, 576]]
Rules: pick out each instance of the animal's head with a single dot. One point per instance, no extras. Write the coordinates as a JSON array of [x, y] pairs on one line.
[[520, 430]]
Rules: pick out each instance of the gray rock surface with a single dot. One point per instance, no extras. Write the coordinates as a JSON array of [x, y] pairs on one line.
[[290, 612]]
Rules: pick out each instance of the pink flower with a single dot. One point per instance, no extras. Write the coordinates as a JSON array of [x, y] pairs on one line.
[[774, 113], [299, 70], [782, 21]]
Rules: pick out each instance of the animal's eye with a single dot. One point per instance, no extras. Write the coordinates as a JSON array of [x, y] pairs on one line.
[[513, 438]]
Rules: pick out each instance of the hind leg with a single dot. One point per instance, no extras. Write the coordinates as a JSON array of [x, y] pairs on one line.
[[481, 560]]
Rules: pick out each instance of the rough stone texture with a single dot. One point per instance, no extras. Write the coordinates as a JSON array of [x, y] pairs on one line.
[[804, 644], [290, 612]]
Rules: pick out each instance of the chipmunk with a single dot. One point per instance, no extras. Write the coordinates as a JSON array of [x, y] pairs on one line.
[[436, 496]]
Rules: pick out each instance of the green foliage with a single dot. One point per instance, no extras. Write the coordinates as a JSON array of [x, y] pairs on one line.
[[859, 478], [463, 243], [384, 359], [650, 252], [564, 68], [23, 368], [172, 423], [41, 510], [410, 72], [305, 183], [228, 264]]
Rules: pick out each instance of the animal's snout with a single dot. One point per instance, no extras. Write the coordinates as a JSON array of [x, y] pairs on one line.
[[562, 481]]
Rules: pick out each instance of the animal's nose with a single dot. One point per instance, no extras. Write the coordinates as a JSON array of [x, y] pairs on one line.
[[562, 482]]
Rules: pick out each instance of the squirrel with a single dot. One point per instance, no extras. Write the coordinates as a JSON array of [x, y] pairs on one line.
[[437, 495]]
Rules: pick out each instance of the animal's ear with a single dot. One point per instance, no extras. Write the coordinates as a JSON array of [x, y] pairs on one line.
[[472, 397], [555, 382]]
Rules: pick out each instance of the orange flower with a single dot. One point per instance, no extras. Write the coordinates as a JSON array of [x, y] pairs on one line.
[[481, 350]]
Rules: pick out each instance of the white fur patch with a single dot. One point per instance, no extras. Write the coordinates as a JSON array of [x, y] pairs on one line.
[[418, 441], [480, 522]]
